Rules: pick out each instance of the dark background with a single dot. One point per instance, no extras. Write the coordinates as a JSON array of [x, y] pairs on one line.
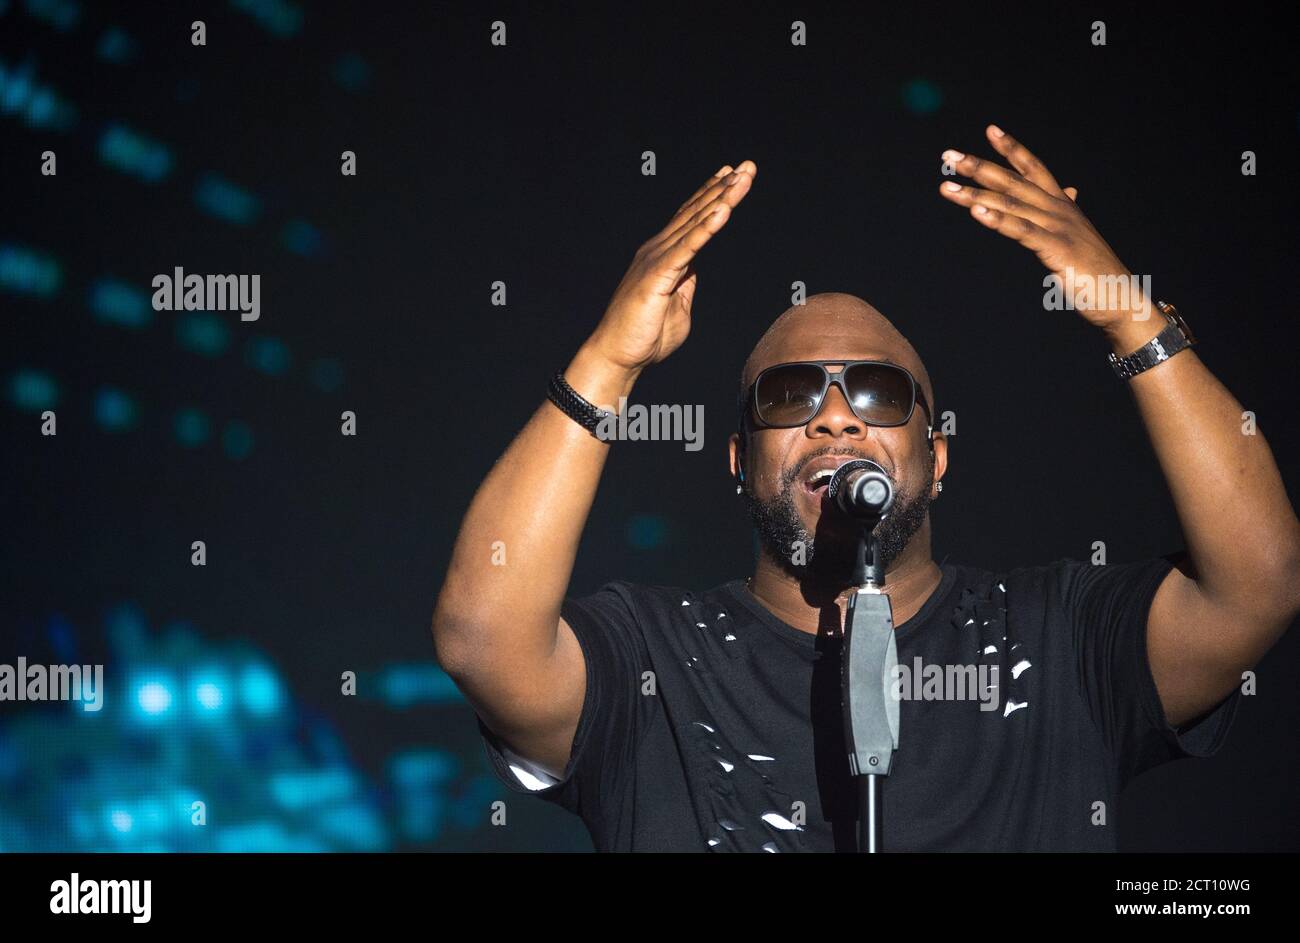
[[523, 164]]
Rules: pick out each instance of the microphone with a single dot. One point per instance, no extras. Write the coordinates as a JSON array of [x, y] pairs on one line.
[[862, 490]]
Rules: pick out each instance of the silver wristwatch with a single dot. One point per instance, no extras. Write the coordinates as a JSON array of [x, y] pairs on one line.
[[1175, 337]]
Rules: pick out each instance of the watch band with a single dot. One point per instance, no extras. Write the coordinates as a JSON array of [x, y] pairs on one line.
[[1176, 336], [574, 406]]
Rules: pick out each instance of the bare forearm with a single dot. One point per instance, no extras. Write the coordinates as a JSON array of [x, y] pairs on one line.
[[1204, 626], [1240, 529], [513, 558]]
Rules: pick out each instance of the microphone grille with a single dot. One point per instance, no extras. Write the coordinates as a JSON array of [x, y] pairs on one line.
[[842, 473], [875, 491]]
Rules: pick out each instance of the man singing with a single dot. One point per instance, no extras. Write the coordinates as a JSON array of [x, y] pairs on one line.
[[678, 720]]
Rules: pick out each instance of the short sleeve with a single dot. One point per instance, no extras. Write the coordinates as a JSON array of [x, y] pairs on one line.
[[609, 633], [1108, 607]]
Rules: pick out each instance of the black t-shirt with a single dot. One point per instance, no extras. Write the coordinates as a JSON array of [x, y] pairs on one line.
[[711, 725]]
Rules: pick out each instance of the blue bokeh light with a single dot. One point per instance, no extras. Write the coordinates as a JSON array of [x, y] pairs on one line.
[[115, 302], [134, 154], [301, 238], [259, 690], [237, 440], [211, 690], [268, 355], [115, 46], [647, 531], [154, 697], [37, 106], [227, 201], [922, 97], [26, 272], [278, 17], [352, 72], [327, 375], [203, 333], [33, 390], [115, 411], [192, 427], [63, 15]]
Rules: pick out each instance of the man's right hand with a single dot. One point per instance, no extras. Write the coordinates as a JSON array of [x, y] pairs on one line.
[[650, 313], [498, 627]]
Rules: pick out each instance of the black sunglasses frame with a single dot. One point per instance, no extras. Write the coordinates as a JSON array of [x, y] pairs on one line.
[[749, 405]]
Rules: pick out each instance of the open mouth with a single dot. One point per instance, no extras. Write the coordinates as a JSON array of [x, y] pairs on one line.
[[817, 482]]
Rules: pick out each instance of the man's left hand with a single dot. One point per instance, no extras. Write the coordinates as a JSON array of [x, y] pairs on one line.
[[1028, 205]]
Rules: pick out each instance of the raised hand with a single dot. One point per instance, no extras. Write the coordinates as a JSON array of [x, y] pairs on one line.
[[649, 314], [1028, 205]]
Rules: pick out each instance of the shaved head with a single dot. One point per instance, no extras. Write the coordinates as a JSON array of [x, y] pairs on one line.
[[815, 329]]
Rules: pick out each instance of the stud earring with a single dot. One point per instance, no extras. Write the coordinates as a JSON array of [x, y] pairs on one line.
[[938, 486]]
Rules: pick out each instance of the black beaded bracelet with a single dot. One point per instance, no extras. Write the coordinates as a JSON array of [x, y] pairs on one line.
[[574, 406]]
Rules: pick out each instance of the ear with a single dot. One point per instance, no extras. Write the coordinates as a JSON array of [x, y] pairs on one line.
[[736, 456], [939, 446]]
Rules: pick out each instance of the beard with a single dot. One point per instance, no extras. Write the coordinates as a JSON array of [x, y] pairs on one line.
[[780, 530]]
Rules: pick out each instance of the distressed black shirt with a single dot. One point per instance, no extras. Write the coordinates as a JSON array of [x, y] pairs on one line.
[[711, 725]]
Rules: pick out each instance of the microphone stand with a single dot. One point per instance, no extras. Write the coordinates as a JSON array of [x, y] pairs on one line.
[[868, 659]]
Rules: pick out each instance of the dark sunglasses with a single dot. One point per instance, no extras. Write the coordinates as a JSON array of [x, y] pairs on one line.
[[791, 394]]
